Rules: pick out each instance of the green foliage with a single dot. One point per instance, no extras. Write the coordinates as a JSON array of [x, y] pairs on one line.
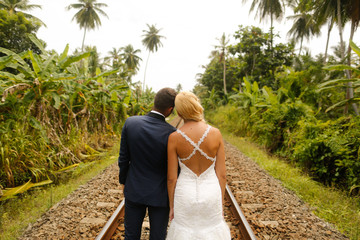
[[88, 15], [212, 78], [258, 61], [50, 106], [278, 98], [329, 150], [277, 122], [283, 110], [339, 83], [14, 30], [285, 125]]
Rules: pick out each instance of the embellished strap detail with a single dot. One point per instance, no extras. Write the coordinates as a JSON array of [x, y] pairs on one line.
[[196, 145]]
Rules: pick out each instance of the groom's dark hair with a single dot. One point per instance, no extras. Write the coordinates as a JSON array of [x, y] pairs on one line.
[[164, 99]]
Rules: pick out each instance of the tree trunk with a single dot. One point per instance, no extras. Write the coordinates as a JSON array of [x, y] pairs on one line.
[[350, 90], [301, 43], [240, 89], [271, 33], [224, 77], [145, 71], [327, 40], [351, 38], [342, 48], [82, 46], [253, 65]]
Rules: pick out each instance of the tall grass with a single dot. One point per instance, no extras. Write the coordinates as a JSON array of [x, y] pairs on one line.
[[16, 214]]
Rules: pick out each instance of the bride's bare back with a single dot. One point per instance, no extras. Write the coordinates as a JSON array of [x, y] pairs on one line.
[[210, 145]]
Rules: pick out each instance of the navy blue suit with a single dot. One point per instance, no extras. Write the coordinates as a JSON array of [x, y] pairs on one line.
[[143, 170]]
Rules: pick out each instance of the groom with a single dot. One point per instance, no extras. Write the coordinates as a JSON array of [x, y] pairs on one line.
[[143, 168]]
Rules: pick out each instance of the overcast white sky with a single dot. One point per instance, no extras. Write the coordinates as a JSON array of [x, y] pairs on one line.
[[191, 28]]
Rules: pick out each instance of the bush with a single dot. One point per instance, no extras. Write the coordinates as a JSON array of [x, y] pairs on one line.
[[329, 150]]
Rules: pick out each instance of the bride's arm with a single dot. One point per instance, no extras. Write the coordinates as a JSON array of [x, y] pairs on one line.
[[220, 168], [172, 172]]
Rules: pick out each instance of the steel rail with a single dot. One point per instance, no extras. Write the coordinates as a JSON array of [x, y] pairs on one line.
[[110, 227], [244, 226]]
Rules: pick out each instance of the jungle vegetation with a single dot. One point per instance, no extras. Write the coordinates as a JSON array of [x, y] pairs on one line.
[[300, 107], [59, 110]]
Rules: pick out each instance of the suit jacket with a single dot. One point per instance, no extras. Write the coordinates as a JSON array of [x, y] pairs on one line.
[[143, 159]]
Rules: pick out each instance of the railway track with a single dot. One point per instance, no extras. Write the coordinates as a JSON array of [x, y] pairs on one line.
[[239, 225], [272, 211]]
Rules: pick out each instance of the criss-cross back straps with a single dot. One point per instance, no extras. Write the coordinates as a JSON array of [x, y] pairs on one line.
[[196, 145]]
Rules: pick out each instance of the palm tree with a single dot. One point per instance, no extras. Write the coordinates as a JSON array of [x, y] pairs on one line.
[[340, 8], [304, 26], [222, 56], [114, 56], [14, 6], [87, 17], [93, 60], [131, 58], [325, 11], [331, 23], [339, 11], [353, 12], [178, 88], [151, 41], [272, 8]]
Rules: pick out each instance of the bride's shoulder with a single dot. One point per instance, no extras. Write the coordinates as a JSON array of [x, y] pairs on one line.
[[215, 133], [175, 133], [214, 129]]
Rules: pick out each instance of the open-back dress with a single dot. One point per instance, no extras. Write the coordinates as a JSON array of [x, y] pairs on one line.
[[197, 201]]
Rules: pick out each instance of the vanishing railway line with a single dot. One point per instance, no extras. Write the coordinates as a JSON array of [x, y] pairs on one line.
[[240, 228]]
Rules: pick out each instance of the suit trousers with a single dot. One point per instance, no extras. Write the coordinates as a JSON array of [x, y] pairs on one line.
[[134, 217]]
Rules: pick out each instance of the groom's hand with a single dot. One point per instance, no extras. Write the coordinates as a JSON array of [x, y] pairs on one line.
[[122, 186]]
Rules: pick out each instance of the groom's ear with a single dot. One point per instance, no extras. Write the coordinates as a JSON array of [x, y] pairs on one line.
[[169, 111]]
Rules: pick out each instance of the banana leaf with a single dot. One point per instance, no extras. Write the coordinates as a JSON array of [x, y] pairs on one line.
[[10, 76], [67, 168], [4, 61], [37, 42], [107, 73], [17, 57], [69, 60], [342, 103], [342, 67], [336, 81], [12, 192], [47, 62], [64, 53], [36, 62], [355, 48]]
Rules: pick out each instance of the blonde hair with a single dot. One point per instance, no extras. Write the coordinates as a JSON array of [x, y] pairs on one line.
[[188, 106]]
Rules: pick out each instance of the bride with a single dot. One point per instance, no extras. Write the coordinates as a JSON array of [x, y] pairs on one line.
[[196, 194]]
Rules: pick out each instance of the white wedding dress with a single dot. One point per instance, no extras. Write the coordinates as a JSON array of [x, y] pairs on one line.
[[197, 202]]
